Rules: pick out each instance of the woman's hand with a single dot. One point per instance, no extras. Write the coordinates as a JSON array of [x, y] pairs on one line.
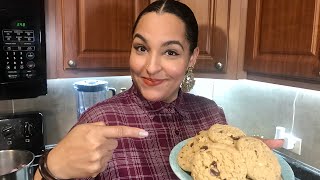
[[272, 143], [87, 148]]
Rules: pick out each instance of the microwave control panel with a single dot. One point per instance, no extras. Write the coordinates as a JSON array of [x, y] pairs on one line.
[[23, 69], [19, 54]]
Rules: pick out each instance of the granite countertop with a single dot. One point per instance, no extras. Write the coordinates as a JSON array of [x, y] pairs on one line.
[[301, 170]]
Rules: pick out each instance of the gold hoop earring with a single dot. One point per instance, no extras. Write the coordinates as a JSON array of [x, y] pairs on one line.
[[188, 81]]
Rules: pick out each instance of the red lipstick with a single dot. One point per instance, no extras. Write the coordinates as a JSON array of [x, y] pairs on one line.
[[152, 82]]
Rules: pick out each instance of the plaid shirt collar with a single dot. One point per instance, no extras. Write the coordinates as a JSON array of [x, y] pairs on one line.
[[158, 106]]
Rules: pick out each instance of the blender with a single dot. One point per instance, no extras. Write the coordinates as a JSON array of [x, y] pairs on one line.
[[90, 92]]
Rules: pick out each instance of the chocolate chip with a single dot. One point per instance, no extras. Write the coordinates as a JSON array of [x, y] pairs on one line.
[[204, 148], [214, 164], [213, 172], [235, 138], [191, 144], [248, 178]]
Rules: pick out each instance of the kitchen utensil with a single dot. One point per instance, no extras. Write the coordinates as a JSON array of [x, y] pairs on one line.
[[16, 165], [90, 92]]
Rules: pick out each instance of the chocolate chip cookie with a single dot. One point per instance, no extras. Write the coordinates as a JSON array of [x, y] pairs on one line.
[[225, 134], [219, 161], [260, 160], [186, 154]]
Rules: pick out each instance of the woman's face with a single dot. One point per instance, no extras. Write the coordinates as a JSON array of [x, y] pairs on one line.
[[160, 56]]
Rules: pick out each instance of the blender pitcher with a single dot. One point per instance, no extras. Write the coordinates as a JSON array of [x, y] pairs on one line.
[[90, 92]]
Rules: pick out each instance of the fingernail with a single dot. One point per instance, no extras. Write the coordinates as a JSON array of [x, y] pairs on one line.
[[143, 134]]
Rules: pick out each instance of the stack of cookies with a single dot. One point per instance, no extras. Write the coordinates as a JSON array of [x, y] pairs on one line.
[[225, 152]]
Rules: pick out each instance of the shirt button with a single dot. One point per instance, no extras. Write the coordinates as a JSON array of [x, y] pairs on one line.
[[177, 132]]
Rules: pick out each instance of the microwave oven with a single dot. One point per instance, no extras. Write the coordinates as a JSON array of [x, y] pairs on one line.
[[22, 49]]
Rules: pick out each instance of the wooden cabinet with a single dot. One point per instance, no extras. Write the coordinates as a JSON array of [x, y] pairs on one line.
[[282, 38], [213, 21], [270, 37], [93, 37], [97, 33]]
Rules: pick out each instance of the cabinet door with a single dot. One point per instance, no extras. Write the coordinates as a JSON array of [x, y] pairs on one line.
[[97, 33], [213, 21], [282, 38]]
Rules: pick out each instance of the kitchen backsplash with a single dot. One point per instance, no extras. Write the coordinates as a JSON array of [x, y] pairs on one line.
[[255, 107]]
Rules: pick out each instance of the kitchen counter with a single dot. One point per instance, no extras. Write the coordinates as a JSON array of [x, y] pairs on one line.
[[301, 170]]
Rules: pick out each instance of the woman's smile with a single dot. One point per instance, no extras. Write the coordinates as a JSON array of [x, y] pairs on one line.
[[152, 82]]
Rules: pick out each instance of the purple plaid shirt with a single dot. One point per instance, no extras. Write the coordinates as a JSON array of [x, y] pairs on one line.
[[167, 124]]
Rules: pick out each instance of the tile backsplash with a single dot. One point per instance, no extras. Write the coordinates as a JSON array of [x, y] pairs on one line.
[[255, 107], [58, 106]]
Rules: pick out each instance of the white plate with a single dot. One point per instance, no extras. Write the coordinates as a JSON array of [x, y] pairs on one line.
[[286, 171]]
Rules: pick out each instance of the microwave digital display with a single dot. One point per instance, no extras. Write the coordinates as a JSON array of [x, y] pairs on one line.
[[21, 24]]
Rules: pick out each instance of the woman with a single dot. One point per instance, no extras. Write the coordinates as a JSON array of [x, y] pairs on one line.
[[130, 136]]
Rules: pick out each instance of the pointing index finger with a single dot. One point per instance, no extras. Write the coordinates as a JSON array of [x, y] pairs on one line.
[[123, 131]]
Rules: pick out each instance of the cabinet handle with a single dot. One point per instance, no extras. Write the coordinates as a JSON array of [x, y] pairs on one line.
[[72, 63], [218, 66]]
